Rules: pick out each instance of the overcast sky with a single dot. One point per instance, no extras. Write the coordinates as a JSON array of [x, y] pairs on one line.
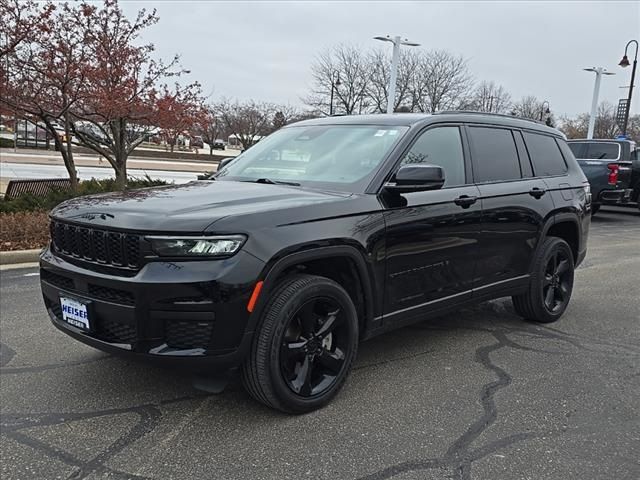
[[263, 50]]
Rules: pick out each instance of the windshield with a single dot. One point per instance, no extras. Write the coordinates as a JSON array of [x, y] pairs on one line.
[[341, 157]]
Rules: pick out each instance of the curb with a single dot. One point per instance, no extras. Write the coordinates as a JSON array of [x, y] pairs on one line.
[[20, 256]]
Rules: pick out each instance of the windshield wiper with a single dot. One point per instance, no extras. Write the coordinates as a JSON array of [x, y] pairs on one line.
[[273, 182]]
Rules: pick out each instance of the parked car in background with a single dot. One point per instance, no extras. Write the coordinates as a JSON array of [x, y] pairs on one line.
[[197, 142], [325, 233], [219, 144], [608, 166]]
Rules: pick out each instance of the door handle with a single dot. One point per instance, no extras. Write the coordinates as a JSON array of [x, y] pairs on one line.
[[537, 192], [465, 201]]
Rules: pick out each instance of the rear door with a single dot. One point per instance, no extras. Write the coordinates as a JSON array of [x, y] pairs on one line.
[[549, 164], [514, 206]]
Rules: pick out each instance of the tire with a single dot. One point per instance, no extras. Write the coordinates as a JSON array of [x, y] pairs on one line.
[[304, 345], [550, 285], [594, 209]]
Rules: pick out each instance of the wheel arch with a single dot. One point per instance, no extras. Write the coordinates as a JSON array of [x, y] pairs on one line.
[[567, 227], [318, 260]]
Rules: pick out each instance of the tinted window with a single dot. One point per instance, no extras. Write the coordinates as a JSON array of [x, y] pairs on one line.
[[545, 155], [494, 154], [440, 146], [525, 162], [603, 151], [595, 150], [577, 149]]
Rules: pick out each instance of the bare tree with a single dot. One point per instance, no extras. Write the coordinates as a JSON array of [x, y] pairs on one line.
[[528, 107], [489, 97], [442, 81], [284, 115], [247, 121], [605, 125], [378, 86], [351, 66]]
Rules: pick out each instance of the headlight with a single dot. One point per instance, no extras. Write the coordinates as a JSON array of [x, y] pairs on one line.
[[218, 246]]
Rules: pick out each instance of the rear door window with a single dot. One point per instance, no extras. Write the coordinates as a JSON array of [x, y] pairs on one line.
[[545, 155], [495, 156]]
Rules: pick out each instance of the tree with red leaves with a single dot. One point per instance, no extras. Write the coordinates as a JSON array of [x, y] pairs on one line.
[[123, 78], [178, 111], [20, 21], [209, 126], [46, 68]]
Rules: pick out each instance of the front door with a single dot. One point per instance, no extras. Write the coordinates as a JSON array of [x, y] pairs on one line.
[[431, 236]]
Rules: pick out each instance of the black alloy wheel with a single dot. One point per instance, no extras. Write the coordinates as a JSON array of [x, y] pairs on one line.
[[556, 285], [305, 343], [550, 284], [312, 352]]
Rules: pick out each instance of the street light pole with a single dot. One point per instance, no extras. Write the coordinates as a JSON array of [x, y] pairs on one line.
[[395, 58], [625, 63], [333, 85], [599, 71]]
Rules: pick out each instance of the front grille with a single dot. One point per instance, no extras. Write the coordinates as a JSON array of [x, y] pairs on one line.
[[111, 295], [105, 247], [57, 280], [115, 332], [187, 335]]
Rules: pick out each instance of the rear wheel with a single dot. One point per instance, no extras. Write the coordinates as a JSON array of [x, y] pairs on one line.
[[550, 285], [304, 346]]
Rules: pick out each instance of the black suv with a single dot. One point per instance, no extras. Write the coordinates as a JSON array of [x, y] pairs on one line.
[[325, 233]]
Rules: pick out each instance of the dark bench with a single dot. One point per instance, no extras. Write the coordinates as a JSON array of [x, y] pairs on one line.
[[38, 187]]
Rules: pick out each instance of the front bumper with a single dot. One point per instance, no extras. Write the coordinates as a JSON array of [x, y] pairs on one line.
[[177, 313]]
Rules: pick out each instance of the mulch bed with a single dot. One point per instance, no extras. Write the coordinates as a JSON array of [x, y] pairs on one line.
[[23, 230]]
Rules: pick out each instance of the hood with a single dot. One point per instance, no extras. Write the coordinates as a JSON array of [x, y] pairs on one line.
[[189, 207]]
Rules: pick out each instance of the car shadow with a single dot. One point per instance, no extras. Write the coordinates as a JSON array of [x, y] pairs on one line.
[[119, 378]]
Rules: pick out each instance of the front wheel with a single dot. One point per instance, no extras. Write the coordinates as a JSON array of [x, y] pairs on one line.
[[550, 285], [304, 346]]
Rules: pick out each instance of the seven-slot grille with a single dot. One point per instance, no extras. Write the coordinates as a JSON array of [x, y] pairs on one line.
[[105, 247]]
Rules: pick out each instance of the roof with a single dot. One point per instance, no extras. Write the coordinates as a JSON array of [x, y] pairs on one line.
[[409, 119]]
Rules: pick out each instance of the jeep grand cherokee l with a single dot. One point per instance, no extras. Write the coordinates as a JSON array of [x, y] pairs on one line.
[[326, 233]]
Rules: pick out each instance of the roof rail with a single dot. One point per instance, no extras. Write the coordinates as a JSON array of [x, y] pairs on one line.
[[475, 112]]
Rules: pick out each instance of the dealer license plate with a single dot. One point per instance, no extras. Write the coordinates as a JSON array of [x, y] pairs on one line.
[[75, 313]]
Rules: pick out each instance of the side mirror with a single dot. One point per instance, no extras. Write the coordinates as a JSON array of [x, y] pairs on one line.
[[416, 178], [224, 162]]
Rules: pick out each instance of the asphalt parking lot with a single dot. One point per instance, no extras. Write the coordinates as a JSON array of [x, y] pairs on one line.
[[476, 394]]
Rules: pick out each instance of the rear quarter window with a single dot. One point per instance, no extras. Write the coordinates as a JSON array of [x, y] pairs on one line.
[[545, 155]]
